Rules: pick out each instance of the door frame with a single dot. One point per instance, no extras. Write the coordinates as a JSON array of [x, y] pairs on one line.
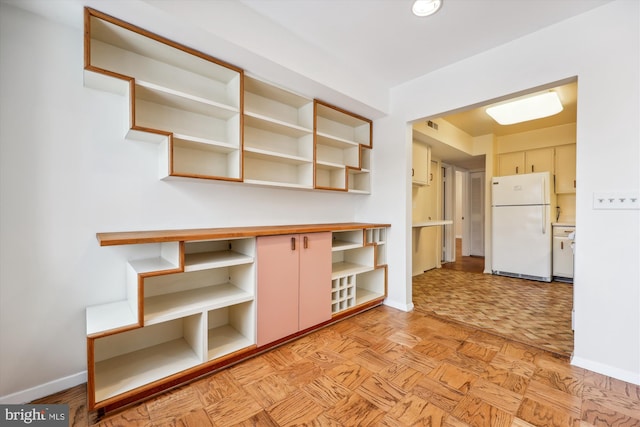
[[448, 212]]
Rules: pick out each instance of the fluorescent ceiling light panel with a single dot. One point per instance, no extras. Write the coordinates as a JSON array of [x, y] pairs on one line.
[[426, 7], [525, 109]]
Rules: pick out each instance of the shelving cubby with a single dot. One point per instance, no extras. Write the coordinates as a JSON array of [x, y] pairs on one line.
[[358, 268], [230, 329], [278, 136], [108, 318], [370, 285], [185, 100], [136, 358], [343, 293], [348, 239], [359, 179], [339, 139], [217, 274]]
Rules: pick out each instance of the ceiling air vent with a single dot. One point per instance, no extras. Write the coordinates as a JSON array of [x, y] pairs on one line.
[[432, 125]]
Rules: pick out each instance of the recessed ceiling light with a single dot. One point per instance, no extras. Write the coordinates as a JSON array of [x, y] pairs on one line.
[[426, 7], [525, 109]]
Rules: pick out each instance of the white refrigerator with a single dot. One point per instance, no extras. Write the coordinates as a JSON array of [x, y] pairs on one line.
[[521, 208]]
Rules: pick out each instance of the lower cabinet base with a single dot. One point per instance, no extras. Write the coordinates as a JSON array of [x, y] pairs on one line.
[[208, 368]]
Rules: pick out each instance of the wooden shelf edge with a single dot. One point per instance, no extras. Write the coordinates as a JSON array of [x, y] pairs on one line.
[[159, 236]]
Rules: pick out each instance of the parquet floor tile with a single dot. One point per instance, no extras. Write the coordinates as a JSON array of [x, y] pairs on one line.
[[390, 368]]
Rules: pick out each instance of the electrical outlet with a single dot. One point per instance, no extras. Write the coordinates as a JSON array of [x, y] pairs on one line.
[[616, 200]]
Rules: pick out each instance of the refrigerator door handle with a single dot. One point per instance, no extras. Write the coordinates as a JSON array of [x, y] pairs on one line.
[[544, 219]]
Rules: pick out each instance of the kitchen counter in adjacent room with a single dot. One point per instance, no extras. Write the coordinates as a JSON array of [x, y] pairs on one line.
[[432, 223]]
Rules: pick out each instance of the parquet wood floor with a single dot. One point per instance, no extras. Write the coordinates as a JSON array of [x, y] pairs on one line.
[[531, 312], [535, 313], [386, 367]]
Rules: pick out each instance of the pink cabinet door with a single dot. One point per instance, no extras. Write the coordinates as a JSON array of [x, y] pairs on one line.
[[277, 264], [315, 279]]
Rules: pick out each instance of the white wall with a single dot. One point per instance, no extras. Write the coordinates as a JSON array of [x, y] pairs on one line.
[[602, 48], [67, 172]]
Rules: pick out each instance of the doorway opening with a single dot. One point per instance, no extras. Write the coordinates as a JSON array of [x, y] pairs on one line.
[[469, 150]]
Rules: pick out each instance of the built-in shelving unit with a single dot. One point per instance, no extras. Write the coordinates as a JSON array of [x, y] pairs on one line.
[[192, 303], [278, 136], [211, 121], [358, 268], [343, 143], [199, 312], [188, 102]]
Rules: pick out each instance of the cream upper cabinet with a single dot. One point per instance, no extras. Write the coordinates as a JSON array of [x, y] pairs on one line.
[[531, 161], [540, 160], [566, 169], [421, 164], [511, 163]]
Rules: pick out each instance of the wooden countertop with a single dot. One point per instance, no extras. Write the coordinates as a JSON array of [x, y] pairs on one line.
[[158, 236], [432, 223]]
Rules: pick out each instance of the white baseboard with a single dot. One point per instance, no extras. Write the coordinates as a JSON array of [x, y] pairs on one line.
[[399, 306], [610, 371], [43, 390]]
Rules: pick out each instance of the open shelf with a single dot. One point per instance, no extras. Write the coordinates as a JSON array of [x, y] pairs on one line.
[[201, 158], [330, 150], [121, 48], [110, 316], [179, 93], [348, 239], [167, 112], [217, 259], [340, 269], [340, 126], [264, 169], [135, 358], [277, 105], [370, 285], [278, 136], [165, 307], [230, 329]]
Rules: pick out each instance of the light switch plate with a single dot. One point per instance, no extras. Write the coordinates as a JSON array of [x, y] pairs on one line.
[[616, 200]]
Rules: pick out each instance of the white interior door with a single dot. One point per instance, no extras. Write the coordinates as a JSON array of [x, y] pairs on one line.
[[476, 213]]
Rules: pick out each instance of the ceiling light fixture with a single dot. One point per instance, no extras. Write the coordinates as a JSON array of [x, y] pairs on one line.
[[426, 7], [525, 109]]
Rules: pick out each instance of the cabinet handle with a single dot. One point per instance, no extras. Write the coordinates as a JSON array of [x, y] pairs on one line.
[[516, 170], [412, 172], [293, 243], [431, 176], [306, 242], [532, 168], [561, 245], [574, 183]]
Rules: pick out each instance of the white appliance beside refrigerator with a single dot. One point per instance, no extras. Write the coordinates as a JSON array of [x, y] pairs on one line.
[[522, 207]]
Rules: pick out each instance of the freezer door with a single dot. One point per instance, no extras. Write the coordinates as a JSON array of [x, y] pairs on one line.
[[527, 189], [521, 244]]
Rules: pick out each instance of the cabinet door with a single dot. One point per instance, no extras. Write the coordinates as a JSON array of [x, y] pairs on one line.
[[511, 163], [315, 279], [540, 160], [421, 160], [562, 257], [277, 264], [566, 169]]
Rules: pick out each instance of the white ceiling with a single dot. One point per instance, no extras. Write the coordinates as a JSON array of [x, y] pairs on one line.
[[383, 38]]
